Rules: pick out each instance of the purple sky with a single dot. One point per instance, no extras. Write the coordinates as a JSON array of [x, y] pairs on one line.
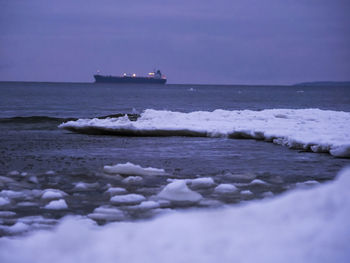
[[223, 41]]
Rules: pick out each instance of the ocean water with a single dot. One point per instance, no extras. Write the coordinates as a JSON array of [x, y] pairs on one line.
[[36, 155]]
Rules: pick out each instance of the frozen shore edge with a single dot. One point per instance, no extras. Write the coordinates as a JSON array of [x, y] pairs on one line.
[[299, 226]]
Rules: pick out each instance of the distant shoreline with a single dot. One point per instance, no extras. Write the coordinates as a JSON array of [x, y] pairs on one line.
[[302, 84]]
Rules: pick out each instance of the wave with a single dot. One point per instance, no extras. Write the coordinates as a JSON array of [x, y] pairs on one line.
[[306, 129], [57, 120]]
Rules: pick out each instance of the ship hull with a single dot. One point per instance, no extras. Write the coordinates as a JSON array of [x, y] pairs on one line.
[[127, 79]]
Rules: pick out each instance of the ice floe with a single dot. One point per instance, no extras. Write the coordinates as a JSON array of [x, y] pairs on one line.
[[132, 180], [57, 205], [204, 182], [225, 189], [305, 225], [49, 194], [307, 129], [107, 213], [132, 169], [127, 199], [116, 191], [178, 191]]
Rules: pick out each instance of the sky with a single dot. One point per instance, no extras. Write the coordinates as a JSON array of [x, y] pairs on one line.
[[204, 42]]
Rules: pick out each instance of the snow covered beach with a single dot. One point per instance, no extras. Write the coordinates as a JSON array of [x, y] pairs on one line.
[[305, 129], [301, 226]]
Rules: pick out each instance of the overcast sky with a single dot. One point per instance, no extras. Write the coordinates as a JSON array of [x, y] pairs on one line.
[[222, 41]]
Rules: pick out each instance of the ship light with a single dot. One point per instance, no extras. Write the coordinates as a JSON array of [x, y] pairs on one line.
[[151, 73], [134, 75], [124, 74]]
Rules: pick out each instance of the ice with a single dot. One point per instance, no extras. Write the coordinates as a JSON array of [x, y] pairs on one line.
[[7, 213], [14, 173], [116, 191], [12, 194], [127, 199], [49, 194], [177, 191], [204, 182], [307, 183], [50, 172], [57, 205], [246, 192], [145, 205], [81, 186], [107, 213], [225, 189], [258, 182], [307, 129], [17, 228], [132, 169], [4, 201], [132, 179], [304, 225]]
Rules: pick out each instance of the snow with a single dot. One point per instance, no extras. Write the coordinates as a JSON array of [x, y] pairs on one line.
[[132, 169], [304, 225], [127, 199], [4, 201], [82, 186], [107, 213], [15, 229], [49, 194], [177, 191], [116, 191], [57, 205], [204, 182], [246, 192], [132, 180], [308, 129], [225, 189], [145, 205], [258, 182]]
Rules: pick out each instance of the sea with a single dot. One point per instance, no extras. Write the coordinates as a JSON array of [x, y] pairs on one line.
[[37, 156]]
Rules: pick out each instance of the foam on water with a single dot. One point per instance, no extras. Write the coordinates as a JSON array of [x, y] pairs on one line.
[[307, 129]]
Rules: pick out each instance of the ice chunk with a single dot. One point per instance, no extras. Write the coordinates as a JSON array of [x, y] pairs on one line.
[[50, 172], [204, 182], [81, 186], [14, 173], [12, 194], [107, 213], [307, 183], [179, 192], [57, 205], [145, 205], [19, 227], [225, 189], [132, 179], [49, 194], [258, 182], [127, 199], [246, 192], [132, 169], [7, 213], [4, 201], [116, 191]]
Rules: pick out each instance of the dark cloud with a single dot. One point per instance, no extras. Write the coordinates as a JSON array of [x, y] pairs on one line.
[[238, 41]]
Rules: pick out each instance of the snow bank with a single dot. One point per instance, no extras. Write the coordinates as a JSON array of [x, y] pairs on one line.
[[300, 226], [308, 129], [132, 169]]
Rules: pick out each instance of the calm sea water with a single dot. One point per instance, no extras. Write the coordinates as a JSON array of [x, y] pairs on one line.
[[31, 143]]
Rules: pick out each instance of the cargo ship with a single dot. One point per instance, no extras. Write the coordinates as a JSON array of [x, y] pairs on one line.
[[153, 78]]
